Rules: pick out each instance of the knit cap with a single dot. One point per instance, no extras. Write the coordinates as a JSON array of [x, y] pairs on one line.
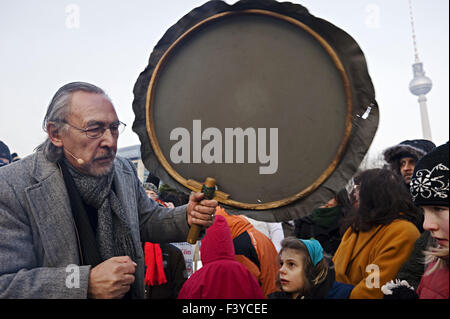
[[4, 151], [429, 183]]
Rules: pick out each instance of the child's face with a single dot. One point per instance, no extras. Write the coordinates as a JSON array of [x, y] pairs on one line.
[[291, 271], [151, 194], [436, 222]]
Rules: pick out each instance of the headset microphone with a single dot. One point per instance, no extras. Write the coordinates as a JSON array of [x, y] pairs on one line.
[[79, 160]]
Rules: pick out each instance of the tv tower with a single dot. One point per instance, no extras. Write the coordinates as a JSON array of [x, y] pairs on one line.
[[420, 85]]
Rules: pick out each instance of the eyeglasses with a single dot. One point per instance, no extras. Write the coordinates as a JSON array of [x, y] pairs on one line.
[[97, 131]]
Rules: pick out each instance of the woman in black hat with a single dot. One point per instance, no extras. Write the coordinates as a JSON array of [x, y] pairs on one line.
[[429, 188]]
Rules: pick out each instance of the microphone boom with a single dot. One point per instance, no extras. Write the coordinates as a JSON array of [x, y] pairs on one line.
[[79, 160]]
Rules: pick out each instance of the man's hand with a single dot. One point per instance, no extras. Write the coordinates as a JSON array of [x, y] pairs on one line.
[[201, 211], [112, 278]]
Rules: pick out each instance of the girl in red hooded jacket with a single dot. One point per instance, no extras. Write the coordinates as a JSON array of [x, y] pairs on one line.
[[221, 277]]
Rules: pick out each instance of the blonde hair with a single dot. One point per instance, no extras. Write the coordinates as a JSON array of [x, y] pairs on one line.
[[439, 255]]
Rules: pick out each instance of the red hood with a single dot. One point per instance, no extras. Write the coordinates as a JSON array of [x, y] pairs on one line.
[[217, 243]]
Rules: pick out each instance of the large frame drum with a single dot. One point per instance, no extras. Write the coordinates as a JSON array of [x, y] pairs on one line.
[[262, 96]]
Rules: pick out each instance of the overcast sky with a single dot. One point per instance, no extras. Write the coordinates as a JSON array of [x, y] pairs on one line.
[[45, 44]]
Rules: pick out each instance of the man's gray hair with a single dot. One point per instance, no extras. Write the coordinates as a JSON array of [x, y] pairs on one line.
[[57, 112]]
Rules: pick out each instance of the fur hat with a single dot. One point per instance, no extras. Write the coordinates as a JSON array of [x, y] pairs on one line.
[[409, 148], [429, 183], [4, 151]]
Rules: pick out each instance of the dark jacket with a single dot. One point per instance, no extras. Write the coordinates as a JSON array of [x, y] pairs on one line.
[[314, 226], [413, 269], [175, 271]]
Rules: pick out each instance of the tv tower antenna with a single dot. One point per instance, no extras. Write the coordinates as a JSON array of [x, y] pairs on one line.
[[420, 84]]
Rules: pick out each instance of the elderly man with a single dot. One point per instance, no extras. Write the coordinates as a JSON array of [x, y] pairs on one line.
[[73, 215], [403, 157]]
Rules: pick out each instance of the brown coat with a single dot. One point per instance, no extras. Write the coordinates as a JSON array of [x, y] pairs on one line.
[[361, 254]]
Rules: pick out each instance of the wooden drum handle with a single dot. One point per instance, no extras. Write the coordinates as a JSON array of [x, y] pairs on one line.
[[208, 189]]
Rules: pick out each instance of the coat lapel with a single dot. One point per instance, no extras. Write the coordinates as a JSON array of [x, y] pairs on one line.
[[351, 247], [50, 207], [363, 240], [124, 179]]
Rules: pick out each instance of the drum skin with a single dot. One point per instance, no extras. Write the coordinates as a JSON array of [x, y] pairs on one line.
[[288, 84]]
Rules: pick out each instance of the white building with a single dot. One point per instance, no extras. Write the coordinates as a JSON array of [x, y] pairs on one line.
[[133, 153]]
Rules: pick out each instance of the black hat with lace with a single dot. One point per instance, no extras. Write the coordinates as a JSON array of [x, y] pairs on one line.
[[429, 183]]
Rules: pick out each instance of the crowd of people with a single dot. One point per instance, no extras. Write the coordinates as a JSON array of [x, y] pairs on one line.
[[73, 202]]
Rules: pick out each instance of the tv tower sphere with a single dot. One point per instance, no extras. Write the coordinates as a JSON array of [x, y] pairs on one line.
[[420, 84]]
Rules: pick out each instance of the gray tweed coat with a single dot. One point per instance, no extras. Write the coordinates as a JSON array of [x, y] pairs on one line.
[[38, 238]]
